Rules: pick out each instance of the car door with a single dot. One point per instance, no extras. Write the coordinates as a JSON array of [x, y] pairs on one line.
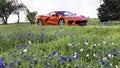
[[53, 18]]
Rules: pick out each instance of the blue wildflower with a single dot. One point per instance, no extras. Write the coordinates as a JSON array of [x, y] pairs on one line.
[[63, 57], [2, 65], [76, 66], [45, 62], [76, 55], [59, 59], [2, 58], [118, 51], [70, 58], [53, 53], [63, 63], [19, 62], [11, 64], [35, 61], [59, 53], [103, 62], [47, 65]]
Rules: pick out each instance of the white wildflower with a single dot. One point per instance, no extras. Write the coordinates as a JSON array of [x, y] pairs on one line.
[[109, 55], [25, 50], [112, 43], [111, 64], [86, 43], [29, 42], [116, 66], [81, 50], [98, 44], [94, 55], [87, 55], [104, 42], [69, 44]]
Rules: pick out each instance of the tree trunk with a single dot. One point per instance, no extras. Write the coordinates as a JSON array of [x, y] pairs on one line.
[[5, 20], [18, 21]]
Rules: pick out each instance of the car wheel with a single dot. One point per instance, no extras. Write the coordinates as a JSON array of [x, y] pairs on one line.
[[40, 22], [82, 24], [61, 22]]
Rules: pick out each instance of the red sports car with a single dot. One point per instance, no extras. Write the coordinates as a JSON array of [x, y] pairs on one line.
[[61, 18]]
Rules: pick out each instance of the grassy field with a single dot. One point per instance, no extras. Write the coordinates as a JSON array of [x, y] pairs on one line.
[[33, 46]]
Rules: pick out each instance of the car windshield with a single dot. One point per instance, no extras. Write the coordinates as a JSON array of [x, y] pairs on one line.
[[65, 13]]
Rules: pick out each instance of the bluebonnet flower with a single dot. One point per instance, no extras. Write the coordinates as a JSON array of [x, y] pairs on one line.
[[46, 64], [19, 62], [76, 55], [2, 65], [59, 59], [35, 61], [76, 66], [2, 58], [103, 62], [64, 58], [106, 54], [11, 64], [63, 63], [70, 58], [118, 51], [59, 53], [53, 53]]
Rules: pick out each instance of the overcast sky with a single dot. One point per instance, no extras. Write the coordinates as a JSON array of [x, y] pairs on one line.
[[80, 7]]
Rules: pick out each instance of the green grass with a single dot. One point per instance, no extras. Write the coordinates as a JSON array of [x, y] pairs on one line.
[[87, 46]]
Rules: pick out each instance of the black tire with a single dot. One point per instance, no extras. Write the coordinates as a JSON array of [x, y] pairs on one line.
[[61, 21], [83, 24], [40, 22]]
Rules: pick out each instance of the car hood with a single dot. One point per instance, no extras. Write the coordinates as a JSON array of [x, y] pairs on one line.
[[77, 17]]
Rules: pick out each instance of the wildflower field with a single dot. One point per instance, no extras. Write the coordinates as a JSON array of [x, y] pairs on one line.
[[34, 46]]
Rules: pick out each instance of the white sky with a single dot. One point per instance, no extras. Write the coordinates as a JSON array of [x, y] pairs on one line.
[[80, 7]]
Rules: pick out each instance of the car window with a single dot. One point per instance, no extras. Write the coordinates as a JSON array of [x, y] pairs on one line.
[[52, 13], [68, 13]]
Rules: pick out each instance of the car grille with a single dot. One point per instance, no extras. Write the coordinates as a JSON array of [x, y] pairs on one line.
[[70, 22], [81, 23]]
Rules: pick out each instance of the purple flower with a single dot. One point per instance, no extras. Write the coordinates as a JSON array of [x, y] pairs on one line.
[[54, 52], [103, 62], [76, 66], [76, 55], [19, 62], [2, 58], [118, 51], [59, 53], [70, 58], [46, 64], [64, 58], [63, 63], [59, 59], [11, 64], [35, 61], [2, 65]]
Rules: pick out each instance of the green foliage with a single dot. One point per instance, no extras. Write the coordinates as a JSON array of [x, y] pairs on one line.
[[7, 7], [109, 10], [53, 46], [31, 16]]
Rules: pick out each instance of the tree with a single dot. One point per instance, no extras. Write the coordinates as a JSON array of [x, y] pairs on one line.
[[31, 16], [19, 7], [7, 7], [109, 10]]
